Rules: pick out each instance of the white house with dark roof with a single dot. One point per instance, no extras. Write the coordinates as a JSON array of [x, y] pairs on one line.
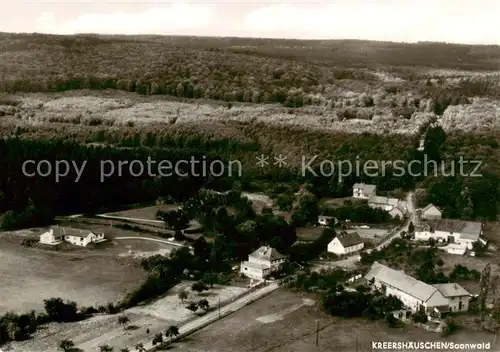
[[346, 243], [431, 212], [262, 263], [78, 237], [459, 232], [457, 296], [413, 293], [363, 190]]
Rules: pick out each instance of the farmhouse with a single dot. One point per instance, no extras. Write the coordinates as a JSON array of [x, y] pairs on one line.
[[346, 243], [363, 191], [458, 297], [56, 235], [431, 212], [459, 232], [262, 263], [415, 294]]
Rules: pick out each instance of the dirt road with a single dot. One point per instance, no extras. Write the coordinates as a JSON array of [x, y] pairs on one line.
[[350, 262], [209, 318]]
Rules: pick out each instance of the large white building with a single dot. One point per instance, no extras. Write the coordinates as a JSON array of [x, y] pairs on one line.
[[415, 294], [363, 190], [56, 235], [463, 233], [262, 263], [346, 243]]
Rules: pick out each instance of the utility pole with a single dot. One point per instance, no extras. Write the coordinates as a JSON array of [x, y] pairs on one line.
[[317, 333], [219, 307]]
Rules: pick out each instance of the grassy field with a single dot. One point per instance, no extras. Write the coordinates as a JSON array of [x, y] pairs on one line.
[[309, 233], [146, 213], [284, 322], [89, 278], [86, 276], [104, 329]]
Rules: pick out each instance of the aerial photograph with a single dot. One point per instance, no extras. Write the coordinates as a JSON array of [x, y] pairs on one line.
[[249, 176]]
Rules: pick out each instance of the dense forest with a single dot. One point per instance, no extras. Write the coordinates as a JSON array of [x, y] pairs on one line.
[[292, 73]]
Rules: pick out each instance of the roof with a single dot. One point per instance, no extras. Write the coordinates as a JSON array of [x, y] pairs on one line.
[[430, 206], [383, 200], [70, 231], [392, 201], [349, 239], [368, 188], [377, 200], [267, 253], [451, 290], [411, 286], [467, 229]]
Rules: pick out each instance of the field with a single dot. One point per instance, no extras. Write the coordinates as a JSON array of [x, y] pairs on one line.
[[88, 277], [371, 234], [146, 213], [309, 233], [104, 329], [286, 322]]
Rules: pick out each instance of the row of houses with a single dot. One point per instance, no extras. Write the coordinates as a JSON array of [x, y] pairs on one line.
[[394, 206]]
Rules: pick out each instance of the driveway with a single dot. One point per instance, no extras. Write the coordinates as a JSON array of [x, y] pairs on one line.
[[350, 262]]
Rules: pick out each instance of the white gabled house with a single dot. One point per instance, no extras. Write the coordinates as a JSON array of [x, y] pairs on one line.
[[346, 243], [363, 190], [431, 212], [56, 235], [262, 263], [415, 294]]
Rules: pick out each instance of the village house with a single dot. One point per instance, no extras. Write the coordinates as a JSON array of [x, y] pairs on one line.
[[346, 243], [415, 294], [363, 191], [324, 220], [56, 235], [430, 212], [458, 297], [262, 263], [394, 206], [463, 233]]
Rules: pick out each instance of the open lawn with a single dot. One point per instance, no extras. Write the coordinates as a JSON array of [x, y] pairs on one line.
[[104, 329], [259, 201], [370, 234], [491, 232], [147, 213], [309, 233], [286, 322], [30, 275], [87, 276]]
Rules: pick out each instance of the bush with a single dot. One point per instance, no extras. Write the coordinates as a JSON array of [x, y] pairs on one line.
[[420, 316], [450, 328]]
